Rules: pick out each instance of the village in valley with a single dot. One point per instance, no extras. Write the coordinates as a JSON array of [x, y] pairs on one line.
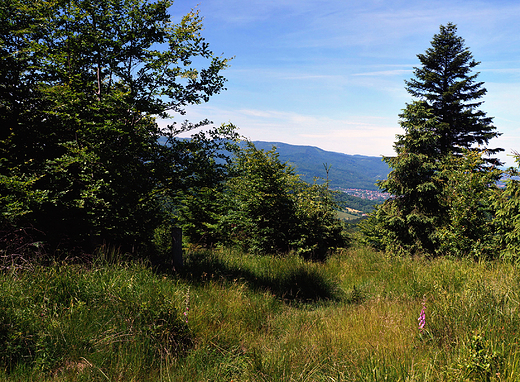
[[367, 194]]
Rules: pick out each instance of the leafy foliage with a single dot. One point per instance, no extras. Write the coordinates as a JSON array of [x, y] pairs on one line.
[[200, 214], [507, 214], [469, 191], [269, 209], [262, 210], [82, 84]]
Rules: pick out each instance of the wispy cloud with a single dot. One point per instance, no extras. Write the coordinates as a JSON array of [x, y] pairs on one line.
[[319, 72], [366, 135], [394, 72]]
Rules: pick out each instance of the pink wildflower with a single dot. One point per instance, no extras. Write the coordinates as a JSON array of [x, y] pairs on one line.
[[422, 318], [187, 302]]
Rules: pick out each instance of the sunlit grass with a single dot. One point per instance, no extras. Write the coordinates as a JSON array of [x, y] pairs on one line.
[[273, 318]]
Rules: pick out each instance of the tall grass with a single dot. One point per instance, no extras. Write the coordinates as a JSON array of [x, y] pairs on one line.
[[231, 316], [66, 319]]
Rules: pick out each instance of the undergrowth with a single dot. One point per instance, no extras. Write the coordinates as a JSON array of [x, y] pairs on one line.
[[232, 316]]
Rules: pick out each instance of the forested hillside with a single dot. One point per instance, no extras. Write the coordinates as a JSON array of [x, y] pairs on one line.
[[346, 171], [359, 204]]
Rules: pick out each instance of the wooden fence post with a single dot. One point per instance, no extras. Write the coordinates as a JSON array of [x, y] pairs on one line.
[[177, 248]]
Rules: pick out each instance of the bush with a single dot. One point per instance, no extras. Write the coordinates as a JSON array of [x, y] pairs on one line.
[[270, 209]]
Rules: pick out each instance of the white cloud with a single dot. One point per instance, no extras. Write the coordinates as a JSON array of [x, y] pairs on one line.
[[393, 72], [318, 72], [364, 135]]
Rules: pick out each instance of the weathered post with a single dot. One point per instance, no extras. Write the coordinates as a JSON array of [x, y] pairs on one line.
[[177, 247]]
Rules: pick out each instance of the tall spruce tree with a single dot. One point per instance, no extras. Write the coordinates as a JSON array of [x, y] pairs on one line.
[[407, 222], [428, 210], [446, 82]]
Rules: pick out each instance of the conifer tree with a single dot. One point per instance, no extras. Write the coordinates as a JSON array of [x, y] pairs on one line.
[[406, 223], [446, 82], [428, 211]]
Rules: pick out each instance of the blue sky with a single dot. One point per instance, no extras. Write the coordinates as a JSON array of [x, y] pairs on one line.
[[330, 73]]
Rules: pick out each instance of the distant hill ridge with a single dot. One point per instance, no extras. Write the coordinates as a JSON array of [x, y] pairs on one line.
[[346, 171]]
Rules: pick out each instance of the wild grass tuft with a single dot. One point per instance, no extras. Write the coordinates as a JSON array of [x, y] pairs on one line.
[[232, 316], [65, 317]]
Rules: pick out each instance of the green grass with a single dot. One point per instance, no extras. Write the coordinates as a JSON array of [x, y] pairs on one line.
[[352, 318], [344, 215]]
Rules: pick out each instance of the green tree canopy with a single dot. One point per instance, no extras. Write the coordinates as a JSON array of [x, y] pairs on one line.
[[446, 82], [406, 222], [439, 206], [269, 209], [441, 187], [82, 83]]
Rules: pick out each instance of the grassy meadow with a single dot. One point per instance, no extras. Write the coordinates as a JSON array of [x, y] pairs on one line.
[[229, 316]]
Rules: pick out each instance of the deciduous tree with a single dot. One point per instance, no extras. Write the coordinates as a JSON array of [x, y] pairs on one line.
[[507, 210], [82, 83], [271, 210], [469, 193]]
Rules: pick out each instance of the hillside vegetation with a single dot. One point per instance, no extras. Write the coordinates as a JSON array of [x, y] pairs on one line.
[[275, 287], [232, 316], [346, 171]]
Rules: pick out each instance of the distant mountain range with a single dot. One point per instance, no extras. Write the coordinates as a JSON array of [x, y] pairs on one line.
[[346, 171]]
